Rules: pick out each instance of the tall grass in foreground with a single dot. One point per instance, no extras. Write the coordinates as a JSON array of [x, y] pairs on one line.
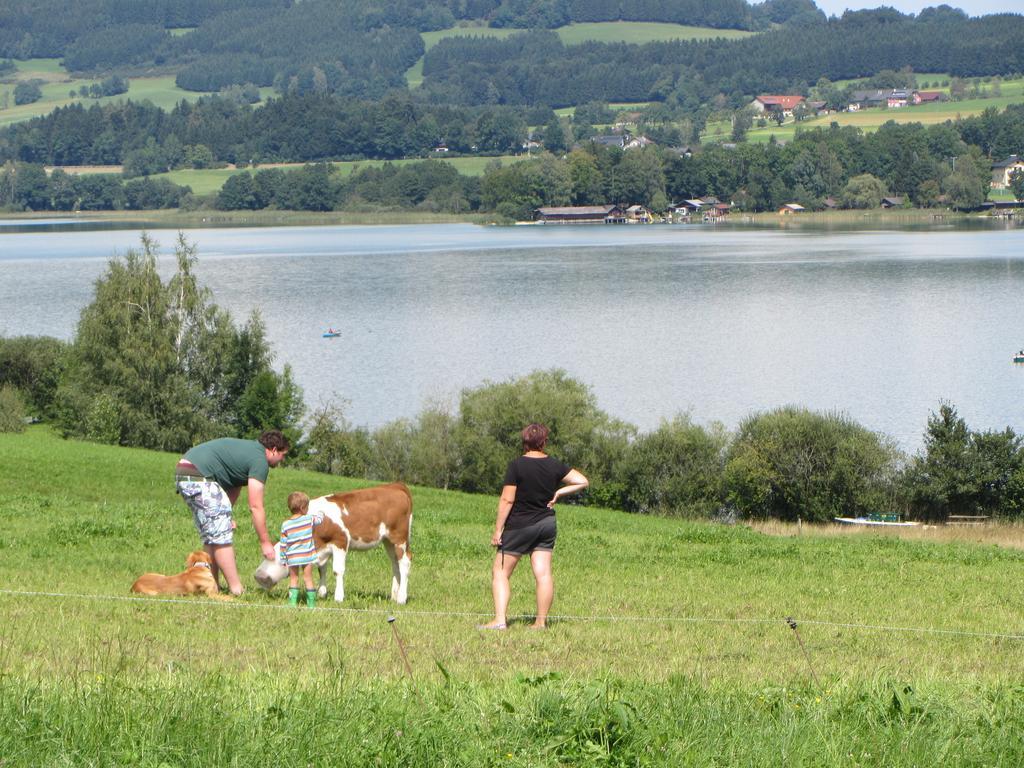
[[672, 647], [531, 721]]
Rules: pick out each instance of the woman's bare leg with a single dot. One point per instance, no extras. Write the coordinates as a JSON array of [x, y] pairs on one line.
[[501, 590], [540, 559]]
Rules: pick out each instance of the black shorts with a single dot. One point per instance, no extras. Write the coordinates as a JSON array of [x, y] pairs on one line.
[[523, 541]]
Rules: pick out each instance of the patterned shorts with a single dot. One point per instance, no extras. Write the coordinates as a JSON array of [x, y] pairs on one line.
[[211, 510]]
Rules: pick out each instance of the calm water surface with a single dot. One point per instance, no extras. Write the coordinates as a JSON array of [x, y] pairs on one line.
[[656, 320]]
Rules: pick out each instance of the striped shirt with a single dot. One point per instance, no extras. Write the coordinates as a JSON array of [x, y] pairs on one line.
[[297, 539]]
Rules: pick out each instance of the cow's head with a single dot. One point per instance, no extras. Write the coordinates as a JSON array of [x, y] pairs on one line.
[[270, 572]]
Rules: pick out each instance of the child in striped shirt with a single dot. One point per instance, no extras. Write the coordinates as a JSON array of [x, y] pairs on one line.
[[297, 549]]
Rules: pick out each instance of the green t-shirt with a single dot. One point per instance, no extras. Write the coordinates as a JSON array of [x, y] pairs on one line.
[[230, 461]]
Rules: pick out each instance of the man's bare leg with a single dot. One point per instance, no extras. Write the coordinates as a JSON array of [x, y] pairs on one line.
[[223, 556]]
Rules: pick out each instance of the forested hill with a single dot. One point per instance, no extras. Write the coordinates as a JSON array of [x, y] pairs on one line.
[[537, 68], [363, 48], [53, 28], [350, 47]]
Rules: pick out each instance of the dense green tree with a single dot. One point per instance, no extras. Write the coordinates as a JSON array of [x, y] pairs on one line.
[[434, 457], [676, 469], [63, 192], [965, 473], [99, 192], [238, 193], [151, 194], [817, 169], [586, 178], [499, 131], [968, 185], [554, 136], [742, 121], [492, 416], [638, 177], [26, 186], [309, 189], [1017, 184], [33, 365], [335, 446], [149, 361], [145, 161], [863, 191], [27, 92], [123, 384], [270, 401], [13, 413], [516, 190], [793, 463]]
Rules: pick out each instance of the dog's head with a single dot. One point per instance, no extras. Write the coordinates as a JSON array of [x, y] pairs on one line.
[[199, 557]]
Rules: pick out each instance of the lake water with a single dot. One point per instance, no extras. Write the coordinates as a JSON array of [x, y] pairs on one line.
[[883, 325]]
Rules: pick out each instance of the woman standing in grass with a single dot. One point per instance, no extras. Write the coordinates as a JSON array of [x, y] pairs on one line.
[[525, 523], [297, 549]]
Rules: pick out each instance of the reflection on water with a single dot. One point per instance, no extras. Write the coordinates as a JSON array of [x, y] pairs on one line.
[[721, 322]]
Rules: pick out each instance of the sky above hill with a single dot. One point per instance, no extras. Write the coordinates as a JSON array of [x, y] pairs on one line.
[[973, 7]]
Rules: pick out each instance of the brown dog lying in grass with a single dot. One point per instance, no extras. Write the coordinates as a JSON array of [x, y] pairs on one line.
[[196, 579]]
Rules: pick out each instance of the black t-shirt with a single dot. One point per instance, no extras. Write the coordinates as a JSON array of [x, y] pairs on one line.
[[536, 480]]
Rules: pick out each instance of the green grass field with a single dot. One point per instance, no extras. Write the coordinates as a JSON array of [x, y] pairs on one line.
[[670, 644], [620, 106], [58, 83], [1012, 92], [637, 32]]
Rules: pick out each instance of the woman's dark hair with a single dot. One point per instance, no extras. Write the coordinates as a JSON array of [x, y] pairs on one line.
[[535, 436], [274, 440]]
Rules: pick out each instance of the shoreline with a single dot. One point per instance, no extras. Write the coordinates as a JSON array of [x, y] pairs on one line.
[[171, 218], [174, 217]]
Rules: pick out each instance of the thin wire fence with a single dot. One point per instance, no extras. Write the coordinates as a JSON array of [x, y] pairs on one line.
[[782, 620]]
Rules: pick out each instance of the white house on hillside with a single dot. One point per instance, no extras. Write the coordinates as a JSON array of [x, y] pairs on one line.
[[1001, 171]]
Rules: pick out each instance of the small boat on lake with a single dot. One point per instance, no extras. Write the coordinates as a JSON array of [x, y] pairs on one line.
[[330, 333], [1019, 357]]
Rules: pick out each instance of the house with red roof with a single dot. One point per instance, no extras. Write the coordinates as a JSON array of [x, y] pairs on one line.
[[929, 97], [777, 104]]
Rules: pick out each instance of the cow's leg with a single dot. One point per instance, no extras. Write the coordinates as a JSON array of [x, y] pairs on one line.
[[396, 573], [321, 565], [339, 574], [400, 563]]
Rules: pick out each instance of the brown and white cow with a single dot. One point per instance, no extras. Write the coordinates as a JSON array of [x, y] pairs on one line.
[[356, 520]]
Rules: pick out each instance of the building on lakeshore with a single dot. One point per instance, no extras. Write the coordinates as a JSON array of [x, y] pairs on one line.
[[790, 208], [580, 214], [638, 214], [1001, 171]]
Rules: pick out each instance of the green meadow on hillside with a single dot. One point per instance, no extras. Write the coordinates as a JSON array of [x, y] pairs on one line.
[[669, 644], [57, 84], [868, 120]]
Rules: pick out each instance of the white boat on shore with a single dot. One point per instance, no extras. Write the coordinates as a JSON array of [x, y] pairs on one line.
[[869, 521]]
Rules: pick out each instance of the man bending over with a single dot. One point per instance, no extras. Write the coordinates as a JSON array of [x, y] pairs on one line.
[[209, 478]]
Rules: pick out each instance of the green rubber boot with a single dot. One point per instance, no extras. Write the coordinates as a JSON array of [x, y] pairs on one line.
[[310, 597], [293, 596]]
